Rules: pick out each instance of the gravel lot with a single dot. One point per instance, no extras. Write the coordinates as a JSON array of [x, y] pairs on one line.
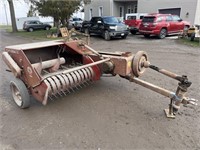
[[111, 113]]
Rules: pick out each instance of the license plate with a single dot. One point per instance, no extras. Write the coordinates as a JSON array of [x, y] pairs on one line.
[[145, 24], [122, 34]]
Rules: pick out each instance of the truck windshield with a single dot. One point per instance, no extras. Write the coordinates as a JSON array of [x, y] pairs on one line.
[[110, 20]]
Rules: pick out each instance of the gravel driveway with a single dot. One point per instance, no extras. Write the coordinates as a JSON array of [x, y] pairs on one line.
[[111, 113]]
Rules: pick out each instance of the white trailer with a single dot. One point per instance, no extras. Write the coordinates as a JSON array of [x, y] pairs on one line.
[[20, 21]]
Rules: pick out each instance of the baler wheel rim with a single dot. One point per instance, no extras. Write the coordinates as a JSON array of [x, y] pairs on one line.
[[138, 63], [20, 93]]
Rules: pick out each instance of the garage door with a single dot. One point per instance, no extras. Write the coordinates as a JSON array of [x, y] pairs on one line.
[[174, 11]]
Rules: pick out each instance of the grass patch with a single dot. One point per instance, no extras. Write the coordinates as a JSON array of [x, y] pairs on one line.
[[195, 43], [37, 34], [6, 27]]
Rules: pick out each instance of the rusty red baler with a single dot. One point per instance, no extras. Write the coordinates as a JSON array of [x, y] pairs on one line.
[[50, 69]]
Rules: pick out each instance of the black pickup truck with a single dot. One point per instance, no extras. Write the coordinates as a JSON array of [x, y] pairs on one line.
[[107, 27]]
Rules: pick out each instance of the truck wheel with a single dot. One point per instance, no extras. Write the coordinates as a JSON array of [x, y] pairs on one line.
[[192, 37], [124, 37], [146, 35], [106, 35], [30, 29], [86, 31], [163, 33], [47, 28], [133, 32], [20, 93]]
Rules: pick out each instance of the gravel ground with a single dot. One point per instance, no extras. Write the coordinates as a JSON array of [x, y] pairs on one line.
[[111, 113]]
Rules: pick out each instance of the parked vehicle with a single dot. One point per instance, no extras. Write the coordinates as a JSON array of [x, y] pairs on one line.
[[32, 25], [121, 19], [76, 23], [134, 20], [162, 25], [107, 27]]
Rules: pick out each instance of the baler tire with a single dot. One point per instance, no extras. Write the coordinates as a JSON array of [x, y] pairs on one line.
[[137, 69], [20, 93]]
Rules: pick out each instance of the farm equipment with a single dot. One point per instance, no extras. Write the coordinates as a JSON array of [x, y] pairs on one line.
[[50, 69], [193, 33]]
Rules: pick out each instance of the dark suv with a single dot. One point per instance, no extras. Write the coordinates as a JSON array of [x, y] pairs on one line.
[[162, 25], [35, 25]]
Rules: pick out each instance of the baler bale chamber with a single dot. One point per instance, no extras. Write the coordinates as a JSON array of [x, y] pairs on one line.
[[48, 70]]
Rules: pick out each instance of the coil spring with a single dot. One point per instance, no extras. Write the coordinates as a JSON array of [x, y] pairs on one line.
[[61, 83]]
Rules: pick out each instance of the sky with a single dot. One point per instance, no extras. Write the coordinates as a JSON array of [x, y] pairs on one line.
[[21, 9]]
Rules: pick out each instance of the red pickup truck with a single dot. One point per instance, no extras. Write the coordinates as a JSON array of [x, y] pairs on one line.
[[134, 20]]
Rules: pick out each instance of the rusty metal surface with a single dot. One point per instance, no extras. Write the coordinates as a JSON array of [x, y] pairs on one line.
[[74, 45], [49, 63], [122, 65], [16, 70], [36, 45]]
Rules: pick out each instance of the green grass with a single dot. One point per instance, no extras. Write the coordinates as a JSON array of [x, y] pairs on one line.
[[5, 27], [195, 43], [37, 34]]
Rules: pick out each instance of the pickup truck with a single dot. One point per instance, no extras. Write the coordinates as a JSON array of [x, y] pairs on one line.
[[134, 20], [107, 27]]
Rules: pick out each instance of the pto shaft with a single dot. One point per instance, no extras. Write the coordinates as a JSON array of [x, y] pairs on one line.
[[152, 87]]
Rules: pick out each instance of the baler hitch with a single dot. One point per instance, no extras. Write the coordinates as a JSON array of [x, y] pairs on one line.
[[176, 98]]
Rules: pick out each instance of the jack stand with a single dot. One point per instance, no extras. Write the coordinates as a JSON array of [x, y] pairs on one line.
[[169, 112]]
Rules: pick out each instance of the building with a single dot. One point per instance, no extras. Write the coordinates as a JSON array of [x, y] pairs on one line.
[[188, 10]]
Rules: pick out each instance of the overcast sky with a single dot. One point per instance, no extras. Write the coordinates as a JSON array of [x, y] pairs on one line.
[[21, 9]]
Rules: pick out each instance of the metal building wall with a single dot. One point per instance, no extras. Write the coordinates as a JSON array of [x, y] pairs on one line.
[[188, 7], [197, 16], [95, 4]]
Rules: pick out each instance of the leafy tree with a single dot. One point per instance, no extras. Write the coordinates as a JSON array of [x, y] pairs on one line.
[[31, 12], [60, 10]]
